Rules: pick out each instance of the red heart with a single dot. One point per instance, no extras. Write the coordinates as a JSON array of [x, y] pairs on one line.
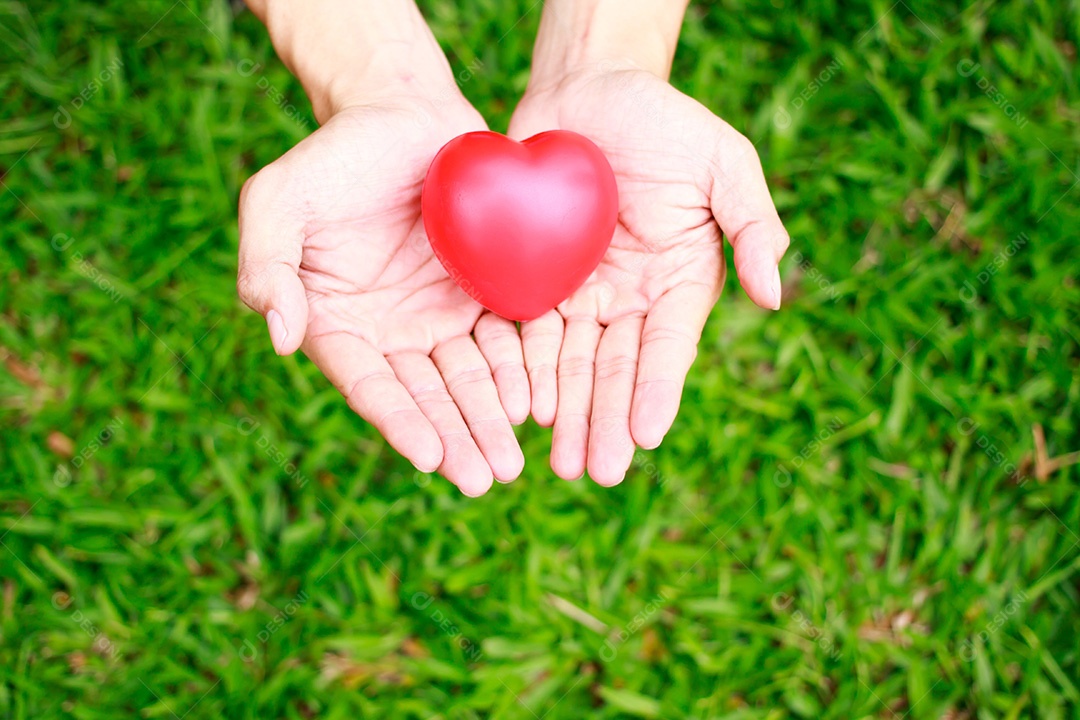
[[520, 226]]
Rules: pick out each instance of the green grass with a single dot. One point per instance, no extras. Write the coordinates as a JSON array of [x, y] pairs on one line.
[[845, 521]]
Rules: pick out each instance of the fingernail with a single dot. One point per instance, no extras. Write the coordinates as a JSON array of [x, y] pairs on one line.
[[429, 467], [776, 289], [278, 333]]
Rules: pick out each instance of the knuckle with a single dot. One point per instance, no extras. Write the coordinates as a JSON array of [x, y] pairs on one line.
[[743, 150], [251, 189], [614, 367], [542, 367], [782, 241], [245, 189], [469, 376], [494, 325], [432, 395], [247, 287], [507, 366], [668, 334], [392, 413], [733, 155], [543, 336], [496, 424], [356, 391], [274, 190], [577, 367], [260, 185]]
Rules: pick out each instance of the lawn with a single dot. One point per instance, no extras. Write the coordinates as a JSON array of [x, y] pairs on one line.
[[867, 507]]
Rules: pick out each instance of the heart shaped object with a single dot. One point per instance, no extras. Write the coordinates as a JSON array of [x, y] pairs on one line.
[[520, 226]]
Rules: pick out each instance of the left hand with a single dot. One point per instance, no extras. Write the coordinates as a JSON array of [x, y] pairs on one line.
[[624, 342], [334, 255]]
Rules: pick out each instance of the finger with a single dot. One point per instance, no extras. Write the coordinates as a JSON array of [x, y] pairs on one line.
[[463, 464], [373, 391], [611, 446], [744, 209], [271, 245], [668, 347], [470, 383], [500, 344], [541, 341], [577, 365]]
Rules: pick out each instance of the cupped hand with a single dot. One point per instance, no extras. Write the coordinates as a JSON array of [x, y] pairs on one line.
[[333, 254], [608, 366]]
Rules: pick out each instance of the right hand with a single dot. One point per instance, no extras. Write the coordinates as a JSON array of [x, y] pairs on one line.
[[334, 255], [686, 180]]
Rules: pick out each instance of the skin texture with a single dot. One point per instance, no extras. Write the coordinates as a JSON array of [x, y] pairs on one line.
[[332, 241], [621, 346]]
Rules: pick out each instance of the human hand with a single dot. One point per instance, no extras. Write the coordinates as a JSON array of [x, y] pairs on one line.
[[334, 255], [624, 342]]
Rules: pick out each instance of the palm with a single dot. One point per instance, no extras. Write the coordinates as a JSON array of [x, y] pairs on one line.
[[375, 308], [367, 266], [637, 321], [665, 237]]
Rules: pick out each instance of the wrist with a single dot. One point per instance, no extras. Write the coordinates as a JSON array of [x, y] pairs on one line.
[[355, 52], [587, 36]]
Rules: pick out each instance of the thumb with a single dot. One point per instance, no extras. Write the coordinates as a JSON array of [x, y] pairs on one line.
[[271, 245], [746, 214]]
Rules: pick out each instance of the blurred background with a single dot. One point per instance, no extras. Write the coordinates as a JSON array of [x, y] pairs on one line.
[[867, 507]]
